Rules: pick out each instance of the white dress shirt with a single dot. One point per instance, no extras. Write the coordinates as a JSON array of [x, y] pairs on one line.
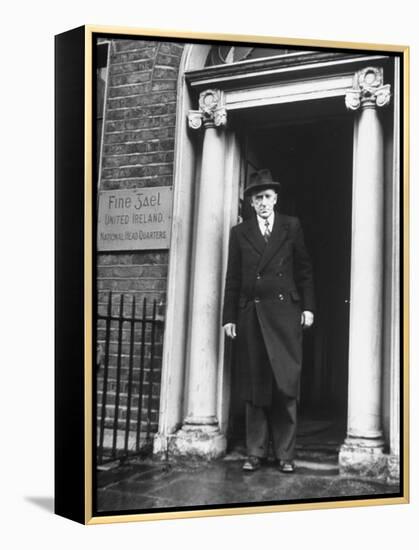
[[262, 222]]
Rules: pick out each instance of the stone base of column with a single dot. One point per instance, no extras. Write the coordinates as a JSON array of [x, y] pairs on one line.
[[393, 469], [161, 445], [197, 441], [363, 457]]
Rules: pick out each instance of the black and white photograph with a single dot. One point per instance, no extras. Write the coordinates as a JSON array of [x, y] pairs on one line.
[[248, 274], [209, 275]]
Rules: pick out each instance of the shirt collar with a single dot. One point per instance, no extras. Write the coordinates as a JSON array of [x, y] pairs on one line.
[[261, 222]]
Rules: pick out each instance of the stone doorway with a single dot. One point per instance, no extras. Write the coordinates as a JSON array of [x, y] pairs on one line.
[[220, 108]]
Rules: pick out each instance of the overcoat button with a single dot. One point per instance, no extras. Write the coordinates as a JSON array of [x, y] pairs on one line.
[[280, 274], [281, 297], [257, 300], [258, 276]]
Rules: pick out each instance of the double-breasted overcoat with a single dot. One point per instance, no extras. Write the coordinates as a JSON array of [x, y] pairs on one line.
[[268, 285]]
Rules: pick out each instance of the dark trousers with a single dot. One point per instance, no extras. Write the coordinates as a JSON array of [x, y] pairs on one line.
[[278, 421]]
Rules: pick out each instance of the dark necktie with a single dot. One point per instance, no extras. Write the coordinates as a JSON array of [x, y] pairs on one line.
[[267, 233]]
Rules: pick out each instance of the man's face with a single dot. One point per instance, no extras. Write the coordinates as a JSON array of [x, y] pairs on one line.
[[263, 202]]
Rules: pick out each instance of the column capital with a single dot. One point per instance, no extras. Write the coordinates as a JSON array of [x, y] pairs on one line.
[[368, 90], [211, 110]]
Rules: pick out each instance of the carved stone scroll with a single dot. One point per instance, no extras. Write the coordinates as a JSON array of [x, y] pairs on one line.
[[368, 90], [211, 111]]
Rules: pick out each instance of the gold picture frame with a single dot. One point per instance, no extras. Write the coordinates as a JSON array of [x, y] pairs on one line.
[[339, 78]]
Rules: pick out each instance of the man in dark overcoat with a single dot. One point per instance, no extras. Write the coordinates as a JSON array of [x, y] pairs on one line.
[[268, 300]]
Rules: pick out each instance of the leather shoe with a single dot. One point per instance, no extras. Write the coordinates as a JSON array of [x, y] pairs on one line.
[[286, 466], [251, 464]]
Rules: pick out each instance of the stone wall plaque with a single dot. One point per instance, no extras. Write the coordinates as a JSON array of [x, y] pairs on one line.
[[134, 219]]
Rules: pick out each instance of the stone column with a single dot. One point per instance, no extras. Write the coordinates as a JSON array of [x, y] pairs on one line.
[[200, 434], [362, 451]]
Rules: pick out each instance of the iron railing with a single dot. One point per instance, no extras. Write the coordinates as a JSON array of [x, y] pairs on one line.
[[127, 373]]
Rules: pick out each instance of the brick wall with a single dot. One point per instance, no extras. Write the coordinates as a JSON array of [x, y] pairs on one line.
[[137, 151]]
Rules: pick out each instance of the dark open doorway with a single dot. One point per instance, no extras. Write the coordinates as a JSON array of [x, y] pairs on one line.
[[312, 159]]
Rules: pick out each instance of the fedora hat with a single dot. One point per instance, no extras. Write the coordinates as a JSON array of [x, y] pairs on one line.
[[262, 179]]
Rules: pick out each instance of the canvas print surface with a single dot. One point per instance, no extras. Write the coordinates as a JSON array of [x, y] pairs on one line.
[[247, 279]]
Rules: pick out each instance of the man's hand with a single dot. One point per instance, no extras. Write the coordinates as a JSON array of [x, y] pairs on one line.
[[230, 330], [307, 319]]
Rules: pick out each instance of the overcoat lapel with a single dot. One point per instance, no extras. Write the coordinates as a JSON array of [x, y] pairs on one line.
[[254, 236], [277, 238]]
